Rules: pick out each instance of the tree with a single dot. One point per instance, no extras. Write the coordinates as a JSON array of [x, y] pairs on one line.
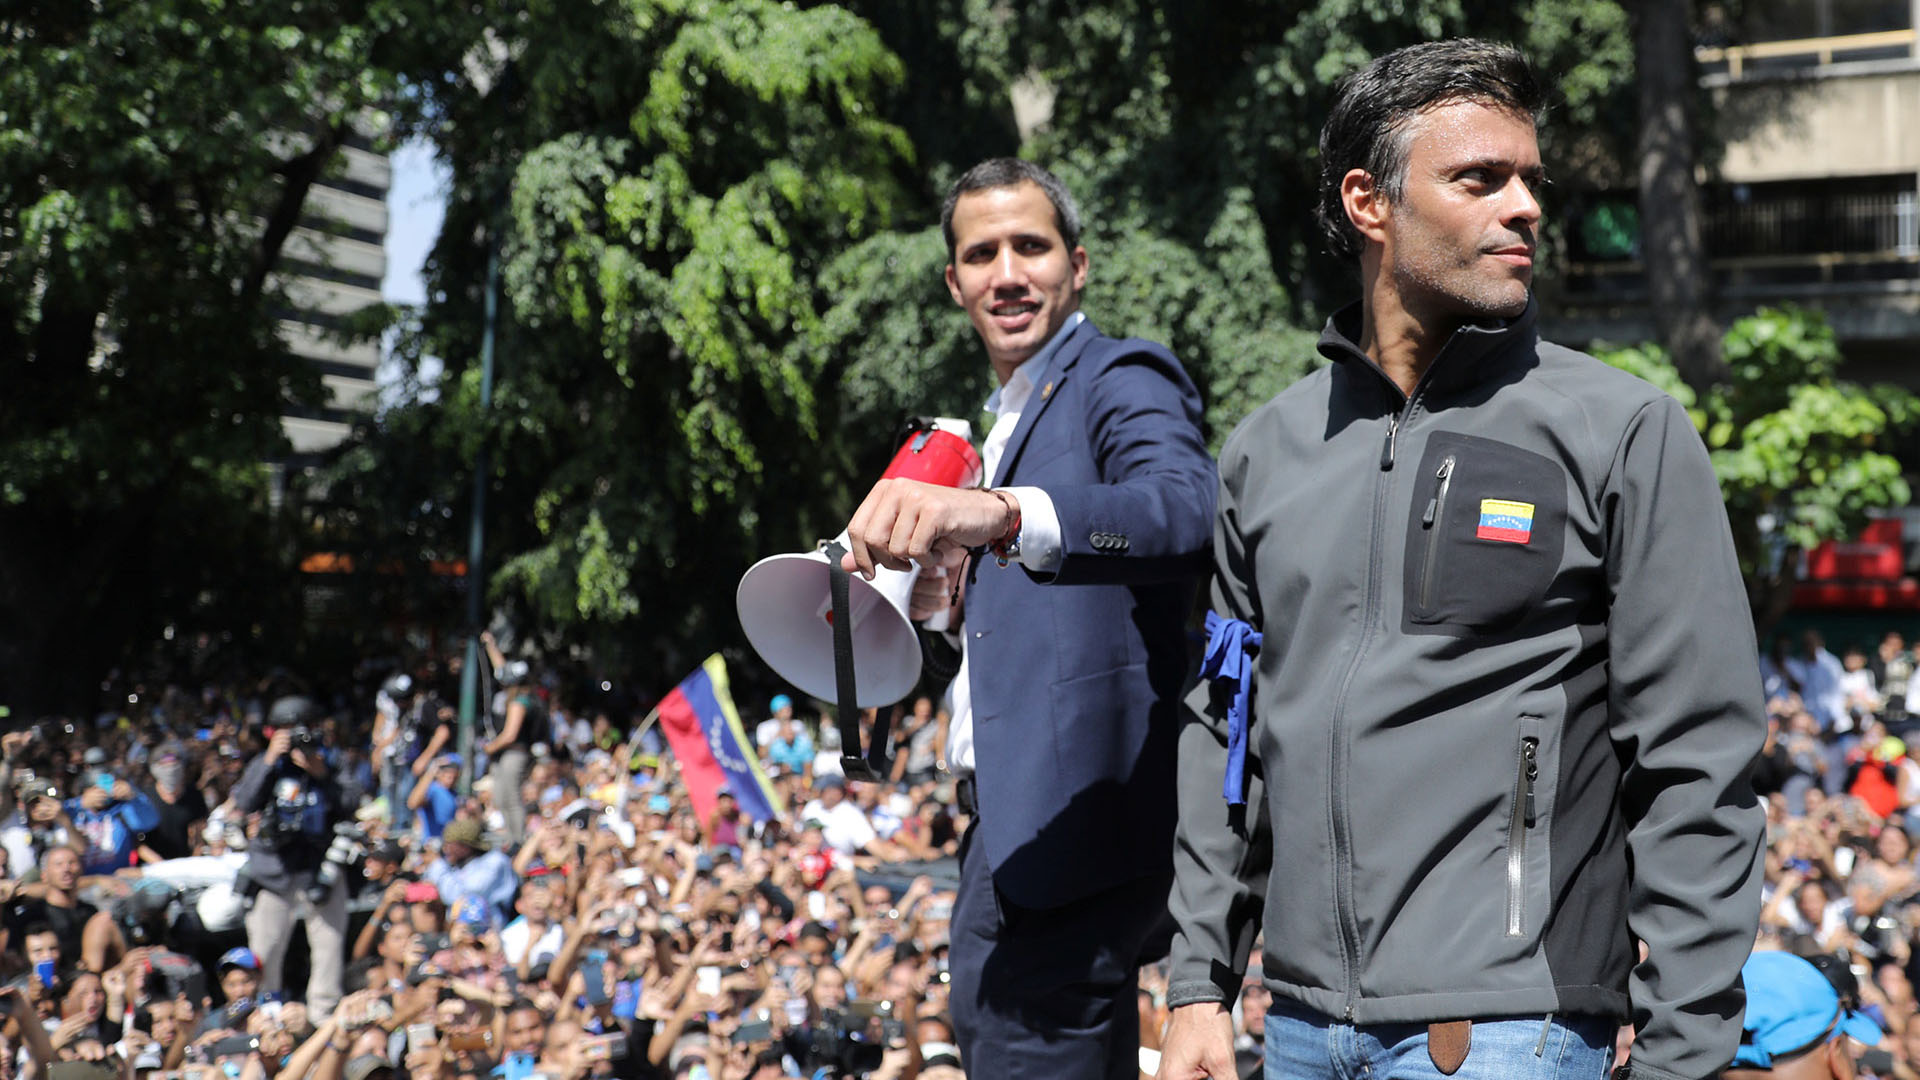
[[155, 158], [641, 138], [1672, 236], [1801, 454], [663, 184]]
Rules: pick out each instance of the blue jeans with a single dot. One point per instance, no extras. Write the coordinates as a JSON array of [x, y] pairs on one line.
[[1304, 1045]]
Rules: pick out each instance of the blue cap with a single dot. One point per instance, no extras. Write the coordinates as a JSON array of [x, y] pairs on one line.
[[660, 804], [473, 913], [1792, 1006], [780, 701], [445, 760], [241, 958]]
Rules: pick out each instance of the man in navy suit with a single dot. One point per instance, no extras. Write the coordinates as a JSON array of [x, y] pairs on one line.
[[1080, 564]]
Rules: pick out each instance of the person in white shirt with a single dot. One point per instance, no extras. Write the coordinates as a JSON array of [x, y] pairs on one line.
[[535, 932], [842, 822], [782, 709]]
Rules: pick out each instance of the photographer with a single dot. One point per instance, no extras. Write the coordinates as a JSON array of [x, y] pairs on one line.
[[110, 814], [289, 863], [37, 824]]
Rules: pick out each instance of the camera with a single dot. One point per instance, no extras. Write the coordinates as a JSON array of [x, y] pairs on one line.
[[302, 737], [348, 845], [145, 913], [852, 1041]]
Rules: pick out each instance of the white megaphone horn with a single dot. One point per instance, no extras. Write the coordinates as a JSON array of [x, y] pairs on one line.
[[786, 606]]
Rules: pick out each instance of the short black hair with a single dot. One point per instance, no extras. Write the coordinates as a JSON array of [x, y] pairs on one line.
[[1003, 172], [1367, 127]]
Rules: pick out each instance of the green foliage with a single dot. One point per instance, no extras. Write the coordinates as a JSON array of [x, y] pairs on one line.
[[723, 277], [1801, 455], [154, 156], [677, 179]]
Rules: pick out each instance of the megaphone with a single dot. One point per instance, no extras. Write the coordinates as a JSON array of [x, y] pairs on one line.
[[786, 606]]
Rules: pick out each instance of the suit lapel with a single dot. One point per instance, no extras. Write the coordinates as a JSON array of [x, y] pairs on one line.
[[1043, 396]]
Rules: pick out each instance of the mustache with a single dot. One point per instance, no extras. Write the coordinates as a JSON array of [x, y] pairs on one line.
[[1521, 237]]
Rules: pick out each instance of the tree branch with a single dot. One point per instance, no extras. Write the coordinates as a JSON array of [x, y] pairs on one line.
[[299, 176]]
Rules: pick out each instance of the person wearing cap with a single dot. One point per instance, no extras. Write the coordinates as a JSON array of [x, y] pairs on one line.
[[384, 865], [433, 799], [109, 815], [470, 868], [299, 804], [1799, 1025], [382, 879], [792, 747], [779, 711], [178, 805], [37, 823], [238, 973]]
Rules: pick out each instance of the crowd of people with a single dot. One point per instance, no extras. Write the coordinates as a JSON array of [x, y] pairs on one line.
[[1843, 802], [270, 880], [266, 881]]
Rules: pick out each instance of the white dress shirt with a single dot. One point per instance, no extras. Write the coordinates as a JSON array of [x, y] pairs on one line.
[[1039, 526]]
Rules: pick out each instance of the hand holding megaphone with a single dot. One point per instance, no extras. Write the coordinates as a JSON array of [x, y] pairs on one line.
[[904, 521], [784, 600]]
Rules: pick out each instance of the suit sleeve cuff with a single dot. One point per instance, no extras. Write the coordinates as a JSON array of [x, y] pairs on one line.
[[1039, 529]]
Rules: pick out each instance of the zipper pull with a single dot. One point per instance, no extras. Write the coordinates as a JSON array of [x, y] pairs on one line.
[[1529, 752], [1386, 452], [1433, 504]]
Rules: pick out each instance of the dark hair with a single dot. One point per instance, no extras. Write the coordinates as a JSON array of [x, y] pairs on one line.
[[1367, 128], [1005, 172]]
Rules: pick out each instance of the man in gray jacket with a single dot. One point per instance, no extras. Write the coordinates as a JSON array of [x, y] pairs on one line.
[[1482, 659]]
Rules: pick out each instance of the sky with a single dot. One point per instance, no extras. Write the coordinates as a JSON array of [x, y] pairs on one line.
[[416, 205]]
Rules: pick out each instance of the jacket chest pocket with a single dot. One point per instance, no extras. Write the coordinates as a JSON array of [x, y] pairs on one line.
[[1485, 533]]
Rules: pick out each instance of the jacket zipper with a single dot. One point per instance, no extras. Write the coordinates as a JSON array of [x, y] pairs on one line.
[[1343, 908], [1521, 821], [1393, 436], [1436, 513]]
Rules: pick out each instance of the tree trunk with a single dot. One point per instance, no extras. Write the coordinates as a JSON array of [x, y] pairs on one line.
[[1770, 597], [1673, 247]]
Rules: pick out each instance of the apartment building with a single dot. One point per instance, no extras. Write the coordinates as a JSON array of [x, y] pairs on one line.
[[332, 267], [1813, 197]]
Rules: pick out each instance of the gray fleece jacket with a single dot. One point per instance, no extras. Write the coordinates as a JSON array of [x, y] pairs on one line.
[[1504, 713]]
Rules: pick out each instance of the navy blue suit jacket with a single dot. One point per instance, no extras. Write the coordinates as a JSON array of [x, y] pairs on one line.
[[1076, 676]]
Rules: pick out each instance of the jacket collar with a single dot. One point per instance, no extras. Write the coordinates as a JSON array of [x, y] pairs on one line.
[[1058, 369], [1469, 356]]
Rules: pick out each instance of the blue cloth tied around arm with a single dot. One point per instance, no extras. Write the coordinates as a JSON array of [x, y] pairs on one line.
[[1231, 644]]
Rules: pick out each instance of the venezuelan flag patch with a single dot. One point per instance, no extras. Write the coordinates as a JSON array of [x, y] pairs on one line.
[[1506, 521]]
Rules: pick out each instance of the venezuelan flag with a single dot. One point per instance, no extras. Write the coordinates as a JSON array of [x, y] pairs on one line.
[[1504, 520], [704, 730]]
